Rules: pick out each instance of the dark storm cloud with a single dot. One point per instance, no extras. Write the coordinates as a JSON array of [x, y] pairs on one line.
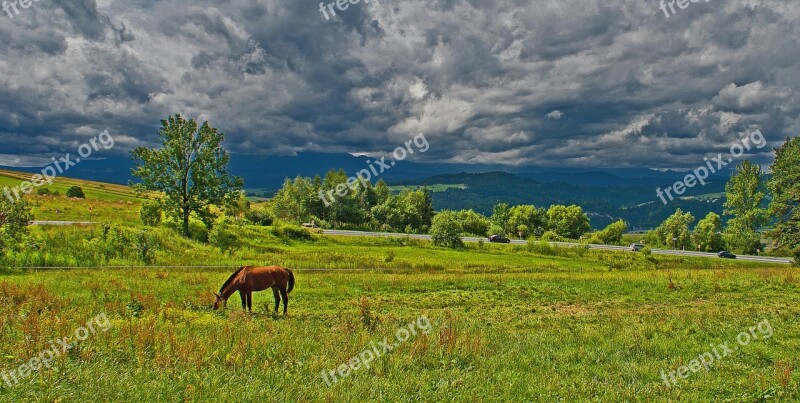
[[557, 82]]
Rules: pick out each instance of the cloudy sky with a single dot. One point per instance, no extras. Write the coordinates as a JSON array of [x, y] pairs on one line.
[[609, 83]]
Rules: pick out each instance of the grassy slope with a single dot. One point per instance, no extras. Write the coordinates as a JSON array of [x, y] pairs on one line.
[[109, 202], [510, 323]]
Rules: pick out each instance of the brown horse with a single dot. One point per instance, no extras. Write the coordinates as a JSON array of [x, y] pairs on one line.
[[248, 279]]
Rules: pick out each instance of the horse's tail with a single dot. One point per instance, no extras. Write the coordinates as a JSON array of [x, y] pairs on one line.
[[291, 281]]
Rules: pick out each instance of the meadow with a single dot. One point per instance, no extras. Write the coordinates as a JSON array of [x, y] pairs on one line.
[[508, 322]]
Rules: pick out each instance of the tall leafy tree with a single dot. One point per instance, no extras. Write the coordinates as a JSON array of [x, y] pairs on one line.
[[744, 197], [568, 221], [707, 236], [419, 209], [612, 234], [785, 187], [383, 191], [473, 223], [534, 219], [292, 200], [390, 214], [190, 169], [500, 215], [674, 231]]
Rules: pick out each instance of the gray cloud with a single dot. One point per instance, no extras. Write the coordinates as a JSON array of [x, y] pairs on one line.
[[557, 82]]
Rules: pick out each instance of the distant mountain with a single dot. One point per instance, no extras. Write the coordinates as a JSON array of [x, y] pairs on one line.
[[268, 172]]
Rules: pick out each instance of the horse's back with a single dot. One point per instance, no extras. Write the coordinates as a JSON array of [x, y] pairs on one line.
[[269, 270], [269, 275]]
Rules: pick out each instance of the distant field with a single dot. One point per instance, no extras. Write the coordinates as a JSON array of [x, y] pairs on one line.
[[108, 202], [432, 188], [707, 196]]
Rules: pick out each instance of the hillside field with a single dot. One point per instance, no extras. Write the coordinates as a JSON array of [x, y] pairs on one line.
[[501, 322]]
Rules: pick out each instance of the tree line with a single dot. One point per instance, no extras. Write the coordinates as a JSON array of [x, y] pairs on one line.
[[753, 200]]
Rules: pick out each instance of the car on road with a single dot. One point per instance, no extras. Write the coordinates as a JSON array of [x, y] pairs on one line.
[[726, 255], [637, 247], [499, 239]]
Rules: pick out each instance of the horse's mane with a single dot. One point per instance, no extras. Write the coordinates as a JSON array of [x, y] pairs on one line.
[[230, 279]]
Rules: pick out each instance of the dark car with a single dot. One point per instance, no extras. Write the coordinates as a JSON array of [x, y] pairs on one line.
[[726, 255], [499, 239]]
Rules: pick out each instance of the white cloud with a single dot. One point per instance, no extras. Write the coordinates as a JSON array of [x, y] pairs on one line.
[[555, 115]]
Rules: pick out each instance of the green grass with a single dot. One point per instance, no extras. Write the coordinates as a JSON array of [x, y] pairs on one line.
[[509, 324], [104, 201]]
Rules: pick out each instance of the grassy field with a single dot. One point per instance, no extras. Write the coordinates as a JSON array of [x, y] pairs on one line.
[[507, 322], [104, 201], [433, 188]]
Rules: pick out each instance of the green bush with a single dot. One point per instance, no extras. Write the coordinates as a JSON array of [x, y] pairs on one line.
[[610, 235], [259, 216], [43, 191], [446, 230], [14, 219], [76, 191], [552, 236], [223, 237], [198, 231], [292, 232], [114, 241], [145, 247], [151, 213]]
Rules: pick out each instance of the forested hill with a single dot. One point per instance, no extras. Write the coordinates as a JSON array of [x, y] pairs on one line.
[[637, 204]]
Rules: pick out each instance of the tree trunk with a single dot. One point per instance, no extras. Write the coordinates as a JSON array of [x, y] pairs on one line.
[[186, 222]]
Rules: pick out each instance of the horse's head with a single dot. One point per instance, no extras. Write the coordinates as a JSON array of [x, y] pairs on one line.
[[219, 300]]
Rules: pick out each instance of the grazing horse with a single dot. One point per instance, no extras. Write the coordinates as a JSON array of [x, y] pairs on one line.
[[248, 279]]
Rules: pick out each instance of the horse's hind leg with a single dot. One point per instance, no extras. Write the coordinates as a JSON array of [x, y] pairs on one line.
[[285, 299], [277, 297]]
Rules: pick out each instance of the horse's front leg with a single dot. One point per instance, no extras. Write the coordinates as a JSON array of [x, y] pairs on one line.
[[250, 301], [243, 295]]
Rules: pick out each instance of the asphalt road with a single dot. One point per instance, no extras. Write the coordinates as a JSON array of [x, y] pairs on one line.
[[765, 259]]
